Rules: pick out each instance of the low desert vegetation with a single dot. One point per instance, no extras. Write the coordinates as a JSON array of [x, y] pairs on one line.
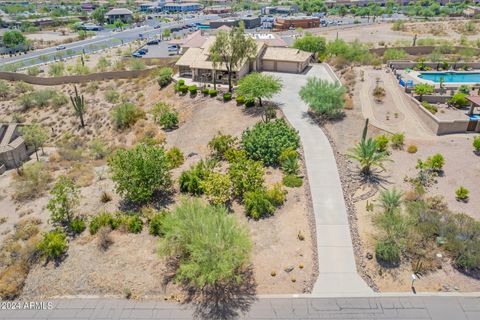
[[325, 99]]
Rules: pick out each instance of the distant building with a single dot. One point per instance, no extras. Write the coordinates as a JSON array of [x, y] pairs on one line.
[[249, 22], [88, 6], [155, 6], [182, 7], [122, 14], [13, 151], [280, 10], [471, 11], [217, 10], [293, 22]]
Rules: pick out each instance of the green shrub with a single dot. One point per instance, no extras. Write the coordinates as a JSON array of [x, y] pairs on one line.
[[217, 188], [53, 245], [249, 102], [397, 140], [183, 89], [412, 148], [26, 102], [292, 181], [462, 194], [240, 100], [433, 109], [289, 164], [126, 115], [56, 69], [257, 204], [112, 95], [192, 90], [205, 91], [212, 92], [175, 156], [156, 224], [324, 97], [103, 219], [469, 257], [59, 100], [181, 82], [276, 195], [77, 225], [476, 144], [140, 172], [33, 181], [215, 249], [459, 100], [266, 141], [382, 142], [134, 224], [191, 180], [164, 76], [168, 120], [388, 251], [99, 149], [435, 162], [227, 96], [220, 143], [4, 89], [246, 175], [136, 64], [33, 71]]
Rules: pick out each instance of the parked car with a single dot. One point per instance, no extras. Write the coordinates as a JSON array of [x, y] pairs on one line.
[[158, 26], [136, 55], [143, 51], [153, 42], [61, 47]]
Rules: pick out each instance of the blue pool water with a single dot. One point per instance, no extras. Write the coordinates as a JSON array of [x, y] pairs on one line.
[[451, 76]]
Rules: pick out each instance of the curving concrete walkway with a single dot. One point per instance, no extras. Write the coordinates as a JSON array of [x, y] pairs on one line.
[[336, 262]]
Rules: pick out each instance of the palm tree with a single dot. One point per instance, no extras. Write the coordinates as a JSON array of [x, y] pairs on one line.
[[368, 156]]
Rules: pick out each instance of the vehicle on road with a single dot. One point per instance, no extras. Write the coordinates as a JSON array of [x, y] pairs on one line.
[[61, 47], [158, 26], [136, 55], [153, 42], [143, 51]]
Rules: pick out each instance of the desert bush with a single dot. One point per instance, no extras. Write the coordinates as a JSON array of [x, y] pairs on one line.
[[140, 172], [59, 100], [292, 181], [165, 115], [175, 157], [65, 197], [70, 147], [105, 197], [394, 54], [429, 107], [289, 161], [12, 280], [397, 140], [462, 194], [240, 100], [412, 148], [125, 115], [99, 149], [390, 200], [246, 175], [323, 97], [217, 188], [136, 64], [258, 204], [458, 100], [134, 224], [56, 69], [382, 142], [103, 219], [220, 143], [378, 93], [32, 182], [191, 180], [53, 245], [194, 228], [434, 163], [164, 76], [276, 195], [388, 251], [4, 89], [23, 87], [104, 238], [26, 102], [33, 71], [156, 223], [476, 144], [266, 141], [77, 225], [112, 95]]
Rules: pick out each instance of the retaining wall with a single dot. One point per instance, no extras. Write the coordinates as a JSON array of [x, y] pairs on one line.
[[418, 50], [403, 64]]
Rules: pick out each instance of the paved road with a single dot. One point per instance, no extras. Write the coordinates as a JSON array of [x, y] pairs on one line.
[[433, 308], [103, 39], [337, 269]]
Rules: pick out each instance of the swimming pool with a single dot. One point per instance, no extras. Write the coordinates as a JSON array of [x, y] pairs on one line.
[[451, 76]]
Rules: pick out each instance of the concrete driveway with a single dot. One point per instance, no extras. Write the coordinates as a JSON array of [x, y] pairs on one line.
[[337, 269]]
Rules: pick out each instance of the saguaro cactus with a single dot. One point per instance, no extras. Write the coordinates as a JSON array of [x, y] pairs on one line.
[[78, 103]]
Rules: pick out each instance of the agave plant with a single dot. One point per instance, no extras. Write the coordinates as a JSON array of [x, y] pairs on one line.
[[368, 156], [390, 200]]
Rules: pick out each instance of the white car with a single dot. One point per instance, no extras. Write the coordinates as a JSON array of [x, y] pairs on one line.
[[61, 47]]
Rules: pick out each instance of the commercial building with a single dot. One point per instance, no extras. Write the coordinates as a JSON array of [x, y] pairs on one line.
[[122, 14], [155, 6], [217, 10], [249, 22], [292, 22], [182, 7], [280, 9]]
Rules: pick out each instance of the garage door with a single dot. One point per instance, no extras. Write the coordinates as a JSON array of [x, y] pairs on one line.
[[268, 65], [287, 67]]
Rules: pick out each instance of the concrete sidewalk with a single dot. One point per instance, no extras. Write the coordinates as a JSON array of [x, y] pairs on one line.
[[434, 308], [337, 269]]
